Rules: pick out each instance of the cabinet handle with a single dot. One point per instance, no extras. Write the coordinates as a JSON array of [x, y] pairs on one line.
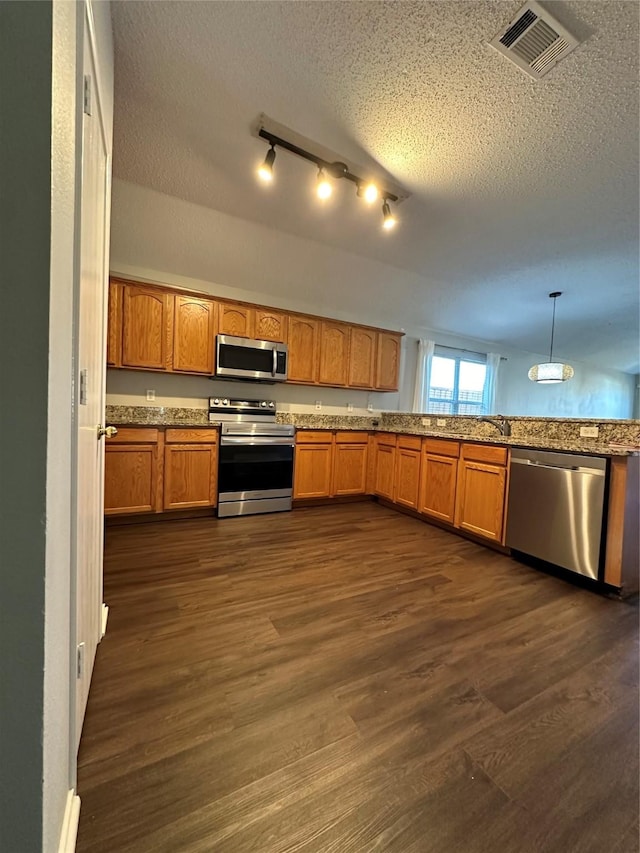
[[107, 432]]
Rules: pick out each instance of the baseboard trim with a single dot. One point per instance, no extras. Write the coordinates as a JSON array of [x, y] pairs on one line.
[[105, 616], [70, 823]]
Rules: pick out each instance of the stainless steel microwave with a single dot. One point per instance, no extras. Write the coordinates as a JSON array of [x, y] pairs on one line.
[[243, 358]]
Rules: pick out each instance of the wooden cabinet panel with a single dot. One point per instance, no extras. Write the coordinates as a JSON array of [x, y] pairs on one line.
[[236, 320], [190, 475], [313, 436], [480, 498], [385, 470], [407, 477], [389, 438], [312, 474], [388, 361], [303, 350], [270, 326], [349, 469], [410, 442], [134, 435], [114, 325], [438, 486], [442, 446], [147, 327], [130, 478], [351, 437], [484, 453], [362, 357], [191, 436], [334, 354], [193, 336]]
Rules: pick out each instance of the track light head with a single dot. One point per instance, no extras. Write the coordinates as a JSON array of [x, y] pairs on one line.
[[265, 171], [323, 187], [388, 219], [369, 192]]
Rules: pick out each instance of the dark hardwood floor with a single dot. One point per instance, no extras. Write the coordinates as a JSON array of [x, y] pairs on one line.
[[348, 679]]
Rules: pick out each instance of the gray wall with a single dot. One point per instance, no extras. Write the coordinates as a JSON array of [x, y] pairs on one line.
[[25, 154]]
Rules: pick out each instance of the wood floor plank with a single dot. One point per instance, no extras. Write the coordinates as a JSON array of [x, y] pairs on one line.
[[347, 680]]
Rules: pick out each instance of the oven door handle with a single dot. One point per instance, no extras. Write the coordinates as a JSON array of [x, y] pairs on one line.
[[257, 440]]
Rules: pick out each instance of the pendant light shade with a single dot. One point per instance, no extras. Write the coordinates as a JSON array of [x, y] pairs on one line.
[[551, 372]]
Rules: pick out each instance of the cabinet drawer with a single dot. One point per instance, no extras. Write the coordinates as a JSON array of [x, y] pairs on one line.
[[410, 442], [442, 447], [312, 436], [387, 439], [134, 435], [351, 437], [485, 453], [191, 436]]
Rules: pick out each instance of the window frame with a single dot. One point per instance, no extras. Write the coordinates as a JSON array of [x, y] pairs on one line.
[[458, 355]]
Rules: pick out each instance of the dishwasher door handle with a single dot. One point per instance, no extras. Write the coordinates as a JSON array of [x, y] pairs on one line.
[[572, 468]]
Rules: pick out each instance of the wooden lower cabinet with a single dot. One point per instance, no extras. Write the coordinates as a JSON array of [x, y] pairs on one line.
[[438, 486], [349, 469], [407, 477], [190, 475], [481, 498], [132, 472], [312, 472], [385, 470]]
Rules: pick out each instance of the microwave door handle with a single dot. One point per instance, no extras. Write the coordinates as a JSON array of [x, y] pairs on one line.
[[274, 365]]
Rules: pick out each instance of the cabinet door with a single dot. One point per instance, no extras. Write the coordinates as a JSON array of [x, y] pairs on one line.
[[407, 477], [190, 475], [130, 478], [312, 473], [303, 350], [349, 469], [193, 335], [438, 486], [385, 470], [147, 324], [362, 357], [114, 325], [334, 354], [388, 361], [480, 498], [236, 320], [270, 326]]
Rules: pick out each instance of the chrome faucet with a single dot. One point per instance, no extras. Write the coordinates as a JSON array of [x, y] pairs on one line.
[[500, 423]]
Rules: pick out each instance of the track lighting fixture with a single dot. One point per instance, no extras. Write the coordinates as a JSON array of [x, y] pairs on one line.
[[328, 170], [388, 219], [551, 372], [323, 187]]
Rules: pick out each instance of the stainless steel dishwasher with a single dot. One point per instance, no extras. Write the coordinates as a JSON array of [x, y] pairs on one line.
[[556, 508]]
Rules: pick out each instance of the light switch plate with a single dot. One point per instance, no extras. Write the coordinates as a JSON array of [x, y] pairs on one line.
[[441, 422], [349, 407], [589, 432], [151, 395], [425, 421]]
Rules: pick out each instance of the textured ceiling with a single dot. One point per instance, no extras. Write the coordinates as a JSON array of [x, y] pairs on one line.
[[519, 187]]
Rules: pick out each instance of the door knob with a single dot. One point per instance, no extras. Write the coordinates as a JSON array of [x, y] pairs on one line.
[[109, 431]]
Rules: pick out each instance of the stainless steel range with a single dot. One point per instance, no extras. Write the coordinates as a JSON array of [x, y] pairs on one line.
[[255, 468]]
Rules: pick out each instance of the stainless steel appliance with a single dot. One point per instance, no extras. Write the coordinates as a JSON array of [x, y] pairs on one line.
[[255, 467], [243, 358], [556, 508]]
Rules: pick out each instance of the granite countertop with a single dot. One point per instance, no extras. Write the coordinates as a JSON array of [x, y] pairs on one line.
[[396, 423]]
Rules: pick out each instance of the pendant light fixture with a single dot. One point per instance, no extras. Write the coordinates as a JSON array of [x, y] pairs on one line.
[[551, 372]]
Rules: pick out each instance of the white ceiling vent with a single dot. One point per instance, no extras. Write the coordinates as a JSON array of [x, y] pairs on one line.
[[534, 40]]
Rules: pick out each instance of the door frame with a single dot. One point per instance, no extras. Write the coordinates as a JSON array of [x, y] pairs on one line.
[[86, 30]]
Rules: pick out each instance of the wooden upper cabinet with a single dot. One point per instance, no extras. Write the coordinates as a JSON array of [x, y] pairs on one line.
[[388, 361], [147, 326], [270, 326], [114, 325], [193, 336], [236, 320], [362, 357], [303, 350], [334, 354]]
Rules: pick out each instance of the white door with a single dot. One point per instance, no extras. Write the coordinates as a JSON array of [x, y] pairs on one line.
[[90, 377]]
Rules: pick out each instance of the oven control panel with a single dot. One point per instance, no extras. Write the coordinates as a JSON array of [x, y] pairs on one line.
[[226, 409]]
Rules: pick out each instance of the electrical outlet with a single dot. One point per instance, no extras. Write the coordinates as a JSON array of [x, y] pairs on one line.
[[318, 405], [151, 395], [349, 407], [441, 422], [425, 421], [369, 407], [589, 432]]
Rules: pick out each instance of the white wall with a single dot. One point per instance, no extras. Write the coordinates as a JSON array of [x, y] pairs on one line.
[[161, 238]]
